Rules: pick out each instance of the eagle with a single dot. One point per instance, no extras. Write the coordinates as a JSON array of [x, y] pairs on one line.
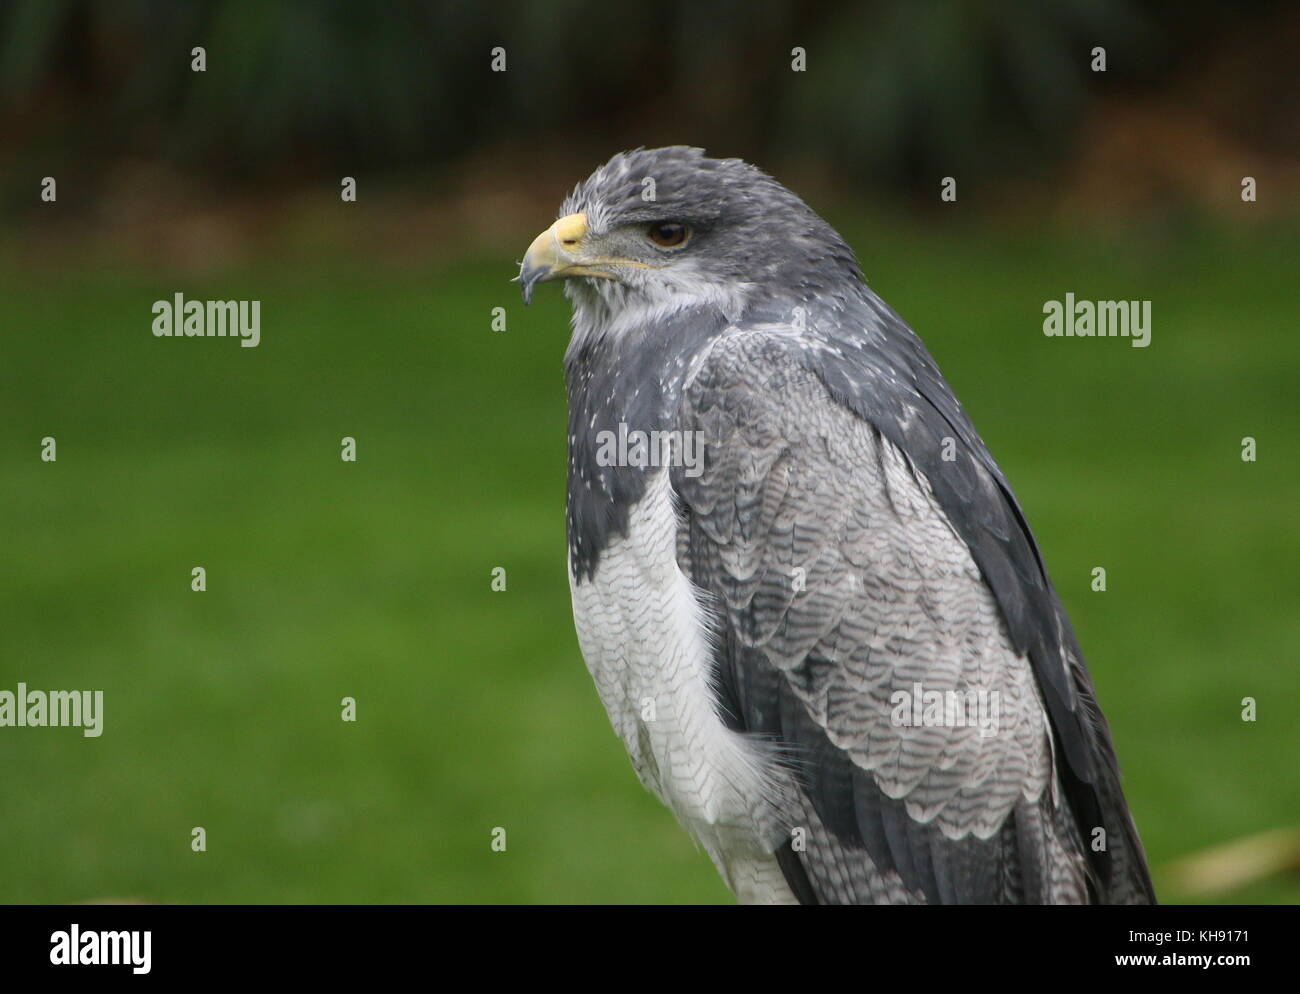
[[809, 600]]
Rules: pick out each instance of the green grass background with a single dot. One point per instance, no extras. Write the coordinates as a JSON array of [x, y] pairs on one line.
[[372, 580]]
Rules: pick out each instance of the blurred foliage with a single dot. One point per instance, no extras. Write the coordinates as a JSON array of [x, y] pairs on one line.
[[895, 90], [958, 85]]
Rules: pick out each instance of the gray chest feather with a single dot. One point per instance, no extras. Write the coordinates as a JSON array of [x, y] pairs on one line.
[[616, 387]]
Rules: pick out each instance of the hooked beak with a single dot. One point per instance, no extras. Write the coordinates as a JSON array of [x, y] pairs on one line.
[[561, 251], [554, 254]]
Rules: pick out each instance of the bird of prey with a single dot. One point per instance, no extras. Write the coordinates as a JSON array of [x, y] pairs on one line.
[[810, 603]]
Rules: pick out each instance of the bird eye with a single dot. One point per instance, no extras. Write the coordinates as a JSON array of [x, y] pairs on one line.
[[668, 234]]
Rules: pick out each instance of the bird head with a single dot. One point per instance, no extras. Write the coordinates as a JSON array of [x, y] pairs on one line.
[[670, 227]]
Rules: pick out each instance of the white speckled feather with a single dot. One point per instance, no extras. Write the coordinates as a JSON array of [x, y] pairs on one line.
[[645, 639]]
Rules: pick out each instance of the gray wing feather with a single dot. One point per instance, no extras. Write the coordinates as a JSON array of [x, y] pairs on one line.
[[891, 596]]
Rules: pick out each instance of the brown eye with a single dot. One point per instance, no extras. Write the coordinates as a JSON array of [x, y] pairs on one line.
[[668, 234]]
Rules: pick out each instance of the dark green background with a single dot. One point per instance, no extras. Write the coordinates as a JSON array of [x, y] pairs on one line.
[[372, 580]]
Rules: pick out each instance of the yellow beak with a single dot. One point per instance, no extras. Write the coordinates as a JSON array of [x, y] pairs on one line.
[[561, 251], [555, 254]]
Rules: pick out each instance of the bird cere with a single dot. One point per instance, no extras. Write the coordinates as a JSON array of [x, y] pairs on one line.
[[774, 733]]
